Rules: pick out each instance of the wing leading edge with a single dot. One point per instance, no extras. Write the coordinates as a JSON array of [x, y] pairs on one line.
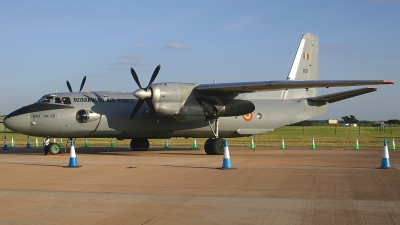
[[245, 87]]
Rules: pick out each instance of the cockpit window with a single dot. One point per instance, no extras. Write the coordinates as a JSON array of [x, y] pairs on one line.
[[53, 99], [65, 100], [46, 99]]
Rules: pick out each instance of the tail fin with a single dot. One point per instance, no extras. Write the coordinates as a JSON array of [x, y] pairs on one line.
[[304, 67]]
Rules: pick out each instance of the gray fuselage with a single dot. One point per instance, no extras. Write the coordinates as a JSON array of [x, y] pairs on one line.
[[106, 114]]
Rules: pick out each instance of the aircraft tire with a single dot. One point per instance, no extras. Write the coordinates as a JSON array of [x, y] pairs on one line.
[[54, 148], [214, 146], [207, 146], [140, 144]]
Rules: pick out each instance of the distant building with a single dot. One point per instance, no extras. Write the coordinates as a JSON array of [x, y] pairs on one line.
[[331, 121], [378, 124], [349, 125]]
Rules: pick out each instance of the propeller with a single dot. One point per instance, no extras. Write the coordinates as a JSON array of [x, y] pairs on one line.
[[144, 94], [82, 84], [69, 86]]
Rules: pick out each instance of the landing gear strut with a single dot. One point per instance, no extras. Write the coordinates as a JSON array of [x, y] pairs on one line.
[[214, 146]]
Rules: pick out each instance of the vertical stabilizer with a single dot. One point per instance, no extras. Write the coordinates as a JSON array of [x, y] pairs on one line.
[[304, 67]]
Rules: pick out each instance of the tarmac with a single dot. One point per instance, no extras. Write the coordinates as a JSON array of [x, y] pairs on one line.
[[185, 186]]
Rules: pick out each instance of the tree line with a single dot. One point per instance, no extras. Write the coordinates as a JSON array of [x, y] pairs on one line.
[[346, 120]]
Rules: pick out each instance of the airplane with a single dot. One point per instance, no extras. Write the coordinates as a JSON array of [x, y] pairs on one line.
[[189, 110]]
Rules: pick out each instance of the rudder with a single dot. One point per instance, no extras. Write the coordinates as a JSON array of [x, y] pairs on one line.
[[304, 67]]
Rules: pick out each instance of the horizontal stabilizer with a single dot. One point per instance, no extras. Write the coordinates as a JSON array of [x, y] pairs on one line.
[[335, 97]]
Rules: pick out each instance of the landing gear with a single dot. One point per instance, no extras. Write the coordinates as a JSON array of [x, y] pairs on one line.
[[54, 148], [140, 144], [214, 146], [51, 147]]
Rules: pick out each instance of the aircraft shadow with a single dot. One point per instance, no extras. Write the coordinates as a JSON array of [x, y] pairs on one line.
[[96, 150]]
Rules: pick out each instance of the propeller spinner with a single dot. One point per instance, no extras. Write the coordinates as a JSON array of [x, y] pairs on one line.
[[144, 94], [82, 84]]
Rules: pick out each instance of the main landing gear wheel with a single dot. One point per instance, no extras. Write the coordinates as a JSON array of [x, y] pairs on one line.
[[53, 148], [214, 146], [140, 144]]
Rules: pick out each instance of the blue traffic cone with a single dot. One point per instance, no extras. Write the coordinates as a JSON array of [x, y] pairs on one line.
[[28, 142], [72, 160], [385, 156], [5, 144], [226, 163]]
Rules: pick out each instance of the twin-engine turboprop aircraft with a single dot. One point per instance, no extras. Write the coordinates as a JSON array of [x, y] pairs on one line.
[[212, 111]]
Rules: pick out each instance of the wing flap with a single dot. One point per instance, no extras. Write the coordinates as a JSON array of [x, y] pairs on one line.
[[330, 98], [244, 87]]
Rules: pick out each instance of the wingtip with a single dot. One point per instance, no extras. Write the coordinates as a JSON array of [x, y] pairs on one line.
[[387, 82]]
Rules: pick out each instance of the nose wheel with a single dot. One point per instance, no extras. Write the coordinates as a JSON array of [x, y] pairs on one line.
[[51, 147]]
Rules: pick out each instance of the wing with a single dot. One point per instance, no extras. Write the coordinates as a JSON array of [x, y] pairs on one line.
[[244, 87]]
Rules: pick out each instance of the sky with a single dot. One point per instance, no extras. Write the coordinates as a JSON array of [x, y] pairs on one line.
[[45, 43]]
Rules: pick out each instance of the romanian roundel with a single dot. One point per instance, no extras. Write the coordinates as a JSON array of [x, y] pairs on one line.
[[248, 116]]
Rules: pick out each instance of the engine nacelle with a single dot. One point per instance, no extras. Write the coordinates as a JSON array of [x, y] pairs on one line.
[[85, 116], [180, 101], [167, 98]]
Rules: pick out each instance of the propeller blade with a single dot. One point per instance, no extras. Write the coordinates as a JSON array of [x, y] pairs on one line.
[[135, 77], [69, 86], [153, 77], [136, 109], [83, 83], [152, 109]]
